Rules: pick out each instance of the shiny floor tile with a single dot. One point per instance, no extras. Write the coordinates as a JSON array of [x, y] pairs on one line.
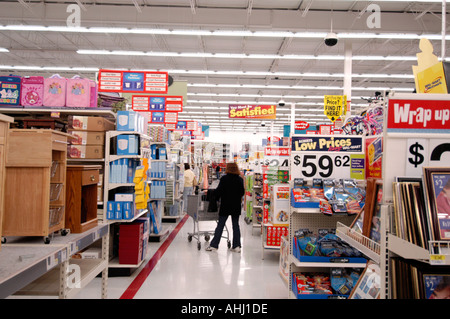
[[186, 272]]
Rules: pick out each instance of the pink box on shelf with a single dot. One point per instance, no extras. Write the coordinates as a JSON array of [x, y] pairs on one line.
[[55, 91], [32, 93], [78, 93]]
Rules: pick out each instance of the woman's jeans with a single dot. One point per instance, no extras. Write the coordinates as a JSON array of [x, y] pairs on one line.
[[219, 230], [186, 191]]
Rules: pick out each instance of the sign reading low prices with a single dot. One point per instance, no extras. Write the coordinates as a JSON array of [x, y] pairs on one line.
[[133, 81], [252, 111], [322, 156]]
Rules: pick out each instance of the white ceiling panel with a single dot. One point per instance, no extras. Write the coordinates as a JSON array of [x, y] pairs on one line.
[[300, 68]]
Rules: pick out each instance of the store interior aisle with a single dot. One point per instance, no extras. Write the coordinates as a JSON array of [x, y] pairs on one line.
[[183, 271]]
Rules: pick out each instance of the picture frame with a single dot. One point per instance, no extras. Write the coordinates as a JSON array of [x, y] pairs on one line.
[[369, 284], [437, 187], [372, 207], [436, 286]]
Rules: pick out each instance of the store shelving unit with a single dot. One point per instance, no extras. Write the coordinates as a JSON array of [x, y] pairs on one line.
[[4, 132], [29, 268], [258, 202], [312, 219], [144, 152]]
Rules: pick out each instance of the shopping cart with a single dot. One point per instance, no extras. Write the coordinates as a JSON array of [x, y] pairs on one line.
[[199, 209]]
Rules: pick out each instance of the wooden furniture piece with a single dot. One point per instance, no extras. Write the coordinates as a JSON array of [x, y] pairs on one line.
[[81, 197], [35, 183], [4, 126], [52, 124]]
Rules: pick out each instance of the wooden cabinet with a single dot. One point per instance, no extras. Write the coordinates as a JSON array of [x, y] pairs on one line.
[[4, 126], [35, 183], [81, 197]]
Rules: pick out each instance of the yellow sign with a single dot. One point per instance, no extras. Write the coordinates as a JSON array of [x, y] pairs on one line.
[[432, 80], [334, 105]]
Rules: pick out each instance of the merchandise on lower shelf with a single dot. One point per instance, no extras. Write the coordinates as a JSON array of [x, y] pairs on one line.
[[133, 241], [274, 234], [324, 246], [320, 285]]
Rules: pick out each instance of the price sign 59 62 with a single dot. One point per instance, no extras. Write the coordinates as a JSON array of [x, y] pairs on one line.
[[321, 166]]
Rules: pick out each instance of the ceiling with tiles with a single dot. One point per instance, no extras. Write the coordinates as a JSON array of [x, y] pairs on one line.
[[229, 52]]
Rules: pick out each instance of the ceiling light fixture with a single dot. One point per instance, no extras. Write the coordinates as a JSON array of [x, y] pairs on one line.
[[228, 33]]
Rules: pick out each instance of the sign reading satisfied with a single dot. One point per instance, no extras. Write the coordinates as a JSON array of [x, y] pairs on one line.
[[252, 111]]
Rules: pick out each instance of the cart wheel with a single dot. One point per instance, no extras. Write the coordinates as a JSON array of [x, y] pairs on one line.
[[189, 238], [3, 240], [64, 232], [207, 237], [46, 240], [199, 246], [229, 244]]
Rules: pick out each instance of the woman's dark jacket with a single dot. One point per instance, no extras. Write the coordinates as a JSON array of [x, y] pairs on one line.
[[230, 191]]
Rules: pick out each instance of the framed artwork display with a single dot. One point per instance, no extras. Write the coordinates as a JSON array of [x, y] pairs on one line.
[[437, 187], [369, 284]]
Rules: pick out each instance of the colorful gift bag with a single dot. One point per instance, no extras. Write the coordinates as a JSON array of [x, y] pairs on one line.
[[55, 91], [94, 93], [10, 87], [78, 92], [32, 92]]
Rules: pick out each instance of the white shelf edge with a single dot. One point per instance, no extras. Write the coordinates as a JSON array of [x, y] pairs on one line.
[[359, 242], [299, 263]]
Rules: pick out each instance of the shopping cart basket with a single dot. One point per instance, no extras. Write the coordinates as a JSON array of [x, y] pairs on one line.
[[197, 208]]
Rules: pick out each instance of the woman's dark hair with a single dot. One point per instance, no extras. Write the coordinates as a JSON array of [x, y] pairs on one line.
[[232, 168], [186, 166]]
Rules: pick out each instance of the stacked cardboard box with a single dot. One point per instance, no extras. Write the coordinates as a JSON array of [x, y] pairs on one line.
[[90, 136]]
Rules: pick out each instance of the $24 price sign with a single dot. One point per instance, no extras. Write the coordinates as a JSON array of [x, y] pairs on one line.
[[321, 166]]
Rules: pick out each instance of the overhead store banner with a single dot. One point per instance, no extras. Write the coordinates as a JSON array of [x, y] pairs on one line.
[[143, 103], [267, 112], [133, 81], [421, 116], [334, 106], [163, 117]]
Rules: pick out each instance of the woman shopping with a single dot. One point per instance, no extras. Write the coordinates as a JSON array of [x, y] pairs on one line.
[[230, 191], [189, 183]]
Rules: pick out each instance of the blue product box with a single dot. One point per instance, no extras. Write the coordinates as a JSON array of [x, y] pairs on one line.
[[127, 121], [304, 204], [127, 145], [127, 212], [110, 210], [162, 153], [118, 210]]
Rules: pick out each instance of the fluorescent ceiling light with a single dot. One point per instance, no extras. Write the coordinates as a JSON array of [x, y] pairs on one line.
[[246, 56], [227, 33], [4, 50]]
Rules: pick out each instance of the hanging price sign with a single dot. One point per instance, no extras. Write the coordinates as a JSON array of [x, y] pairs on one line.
[[334, 106], [327, 157]]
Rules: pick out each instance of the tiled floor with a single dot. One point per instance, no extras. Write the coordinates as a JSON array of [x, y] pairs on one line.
[[183, 271]]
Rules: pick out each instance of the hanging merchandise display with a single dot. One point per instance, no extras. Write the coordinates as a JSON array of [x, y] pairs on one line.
[[133, 81]]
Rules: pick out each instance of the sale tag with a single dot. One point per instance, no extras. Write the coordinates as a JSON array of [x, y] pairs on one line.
[[437, 259], [327, 157]]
